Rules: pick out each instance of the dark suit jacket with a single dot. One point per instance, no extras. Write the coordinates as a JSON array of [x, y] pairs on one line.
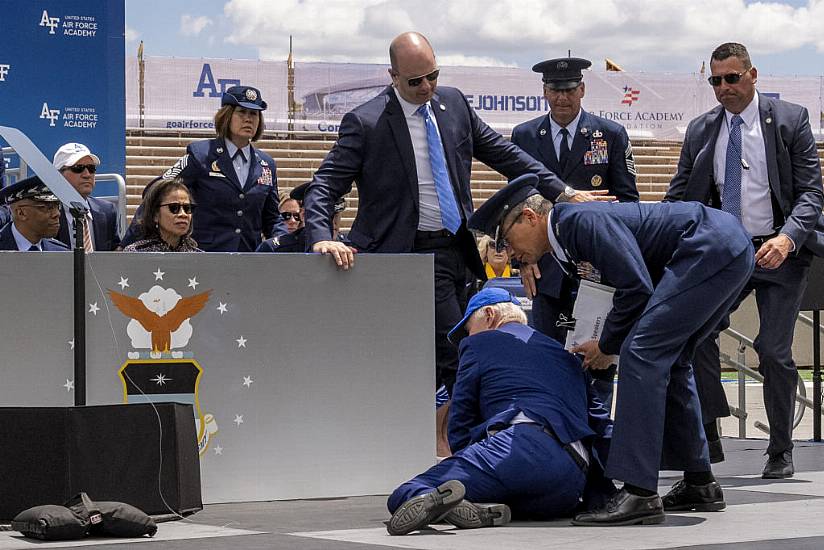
[[633, 243], [374, 149], [7, 242], [617, 175], [792, 164], [104, 225]]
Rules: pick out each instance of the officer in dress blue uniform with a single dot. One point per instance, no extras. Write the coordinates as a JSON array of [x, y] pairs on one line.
[[35, 213], [676, 269], [233, 183], [525, 432], [589, 153]]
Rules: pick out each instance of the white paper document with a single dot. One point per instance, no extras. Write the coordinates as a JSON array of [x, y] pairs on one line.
[[590, 311]]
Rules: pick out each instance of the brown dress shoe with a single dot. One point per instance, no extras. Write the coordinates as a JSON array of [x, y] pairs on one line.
[[701, 498], [624, 509]]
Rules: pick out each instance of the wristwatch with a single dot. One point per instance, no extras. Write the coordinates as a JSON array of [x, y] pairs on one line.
[[566, 195]]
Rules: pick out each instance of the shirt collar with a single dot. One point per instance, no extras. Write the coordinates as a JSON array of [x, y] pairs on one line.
[[409, 108], [749, 115], [553, 241], [231, 149], [572, 127], [23, 243]]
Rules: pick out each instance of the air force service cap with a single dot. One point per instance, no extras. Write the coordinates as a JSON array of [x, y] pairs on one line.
[[486, 297], [244, 96], [488, 217], [30, 188], [563, 73]]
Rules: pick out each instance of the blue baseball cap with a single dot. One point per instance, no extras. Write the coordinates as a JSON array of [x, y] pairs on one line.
[[244, 96], [485, 297]]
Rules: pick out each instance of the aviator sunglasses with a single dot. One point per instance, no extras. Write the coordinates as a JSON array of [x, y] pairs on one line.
[[78, 168], [729, 78], [416, 81], [289, 215], [174, 207]]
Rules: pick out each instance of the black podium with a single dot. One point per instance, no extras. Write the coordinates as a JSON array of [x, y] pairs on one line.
[[813, 300], [122, 453]]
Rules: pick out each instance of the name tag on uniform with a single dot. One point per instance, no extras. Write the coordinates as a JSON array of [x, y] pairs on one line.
[[597, 153]]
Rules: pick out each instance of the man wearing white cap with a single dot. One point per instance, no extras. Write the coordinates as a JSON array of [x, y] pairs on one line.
[[79, 165]]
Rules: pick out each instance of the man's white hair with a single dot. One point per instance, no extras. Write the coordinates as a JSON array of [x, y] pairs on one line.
[[507, 311]]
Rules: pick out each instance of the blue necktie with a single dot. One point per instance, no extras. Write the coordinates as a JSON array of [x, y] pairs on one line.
[[731, 199], [450, 215], [34, 248]]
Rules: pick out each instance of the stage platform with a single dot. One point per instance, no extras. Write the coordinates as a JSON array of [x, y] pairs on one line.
[[761, 515]]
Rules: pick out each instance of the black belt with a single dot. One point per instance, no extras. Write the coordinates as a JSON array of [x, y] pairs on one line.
[[427, 240], [758, 241]]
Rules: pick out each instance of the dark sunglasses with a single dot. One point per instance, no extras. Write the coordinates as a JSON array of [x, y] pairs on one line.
[[78, 168], [174, 207], [431, 77], [289, 215], [729, 78]]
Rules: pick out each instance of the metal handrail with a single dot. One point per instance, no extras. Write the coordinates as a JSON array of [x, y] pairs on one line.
[[739, 364]]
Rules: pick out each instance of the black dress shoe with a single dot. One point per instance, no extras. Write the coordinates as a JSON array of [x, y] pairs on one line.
[[624, 509], [779, 466], [716, 451], [468, 515], [701, 498], [423, 509]]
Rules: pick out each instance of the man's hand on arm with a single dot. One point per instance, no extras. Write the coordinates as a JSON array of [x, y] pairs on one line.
[[587, 196], [594, 358], [343, 255], [773, 252], [529, 274]]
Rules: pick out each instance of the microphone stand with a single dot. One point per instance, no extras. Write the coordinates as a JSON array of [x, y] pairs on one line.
[[79, 212]]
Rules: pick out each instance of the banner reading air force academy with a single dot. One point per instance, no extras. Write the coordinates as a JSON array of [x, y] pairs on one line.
[[61, 76], [185, 93]]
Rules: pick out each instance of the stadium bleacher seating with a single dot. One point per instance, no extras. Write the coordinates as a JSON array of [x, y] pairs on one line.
[[149, 152]]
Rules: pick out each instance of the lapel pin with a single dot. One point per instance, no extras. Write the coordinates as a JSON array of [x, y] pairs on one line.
[[584, 131], [597, 134], [220, 150], [215, 167], [768, 120], [543, 131], [443, 107], [262, 162]]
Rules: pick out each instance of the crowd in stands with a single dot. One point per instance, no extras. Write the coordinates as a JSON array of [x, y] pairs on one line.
[[521, 425]]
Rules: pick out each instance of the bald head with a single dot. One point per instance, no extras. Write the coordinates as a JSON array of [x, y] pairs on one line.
[[411, 56]]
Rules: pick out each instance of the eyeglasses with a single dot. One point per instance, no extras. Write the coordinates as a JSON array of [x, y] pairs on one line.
[[418, 80], [290, 215], [78, 168], [174, 207], [501, 243], [729, 78]]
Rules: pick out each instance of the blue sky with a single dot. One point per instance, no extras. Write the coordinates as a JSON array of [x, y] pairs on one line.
[[784, 37]]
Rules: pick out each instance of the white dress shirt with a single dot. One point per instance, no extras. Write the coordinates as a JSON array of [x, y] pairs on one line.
[[756, 203], [23, 243], [429, 207], [555, 130]]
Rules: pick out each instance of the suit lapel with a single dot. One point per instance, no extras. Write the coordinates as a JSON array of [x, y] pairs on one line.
[[445, 126], [224, 162], [580, 144], [65, 225], [99, 225], [768, 130], [400, 132], [255, 170], [704, 160], [546, 149]]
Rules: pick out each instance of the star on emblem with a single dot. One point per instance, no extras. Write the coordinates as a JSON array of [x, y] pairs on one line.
[[124, 282], [193, 283], [241, 342], [160, 379], [93, 308], [218, 450], [69, 385], [238, 419], [159, 274], [247, 381], [221, 308]]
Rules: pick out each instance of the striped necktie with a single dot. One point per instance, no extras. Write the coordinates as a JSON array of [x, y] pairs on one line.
[[88, 246]]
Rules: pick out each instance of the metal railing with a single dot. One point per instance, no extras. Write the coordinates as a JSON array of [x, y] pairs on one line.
[[739, 363]]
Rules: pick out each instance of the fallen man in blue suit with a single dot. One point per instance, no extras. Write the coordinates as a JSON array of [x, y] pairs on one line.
[[526, 434], [676, 269]]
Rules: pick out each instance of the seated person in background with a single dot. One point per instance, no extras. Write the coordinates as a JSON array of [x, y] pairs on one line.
[[290, 212], [78, 166], [295, 241], [495, 263], [166, 219], [522, 426], [35, 213]]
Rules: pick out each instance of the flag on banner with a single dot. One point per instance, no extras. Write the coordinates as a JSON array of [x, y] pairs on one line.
[[630, 95]]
